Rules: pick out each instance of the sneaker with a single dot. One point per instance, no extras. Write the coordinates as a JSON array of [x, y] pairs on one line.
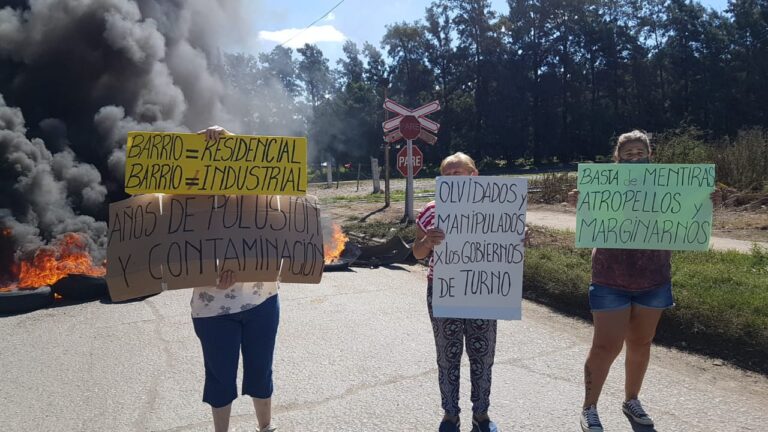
[[590, 422], [449, 426], [483, 426], [635, 411], [267, 428]]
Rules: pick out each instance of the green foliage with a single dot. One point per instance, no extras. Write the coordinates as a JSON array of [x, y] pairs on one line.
[[551, 188], [722, 302], [542, 81], [685, 145], [557, 277], [741, 163]]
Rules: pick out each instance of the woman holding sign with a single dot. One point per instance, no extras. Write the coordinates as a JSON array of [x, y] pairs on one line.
[[228, 318], [451, 333], [630, 289]]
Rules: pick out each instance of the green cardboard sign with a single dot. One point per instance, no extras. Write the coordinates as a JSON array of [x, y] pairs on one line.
[[645, 206]]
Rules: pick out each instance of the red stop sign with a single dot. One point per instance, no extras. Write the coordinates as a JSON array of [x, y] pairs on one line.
[[410, 127], [402, 160]]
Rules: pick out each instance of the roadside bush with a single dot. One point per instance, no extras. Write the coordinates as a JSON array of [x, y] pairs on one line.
[[684, 146], [551, 188], [743, 163]]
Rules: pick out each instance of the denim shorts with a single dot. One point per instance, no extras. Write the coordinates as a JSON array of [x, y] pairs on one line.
[[603, 298]]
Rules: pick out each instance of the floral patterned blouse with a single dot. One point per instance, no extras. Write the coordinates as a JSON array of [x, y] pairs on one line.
[[210, 301]]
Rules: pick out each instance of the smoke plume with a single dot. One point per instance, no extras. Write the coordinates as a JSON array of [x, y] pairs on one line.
[[75, 76]]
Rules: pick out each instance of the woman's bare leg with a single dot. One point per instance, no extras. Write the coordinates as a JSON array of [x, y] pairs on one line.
[[642, 329], [610, 329]]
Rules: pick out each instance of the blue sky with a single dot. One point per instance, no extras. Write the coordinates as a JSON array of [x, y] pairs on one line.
[[276, 21]]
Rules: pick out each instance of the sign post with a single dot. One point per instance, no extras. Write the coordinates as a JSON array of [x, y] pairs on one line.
[[410, 125]]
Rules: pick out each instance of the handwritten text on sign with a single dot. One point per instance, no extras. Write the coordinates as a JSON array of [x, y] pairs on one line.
[[176, 241], [478, 269], [645, 206], [183, 163]]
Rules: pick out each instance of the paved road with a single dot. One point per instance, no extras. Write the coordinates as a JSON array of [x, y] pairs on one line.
[[355, 353], [567, 221]]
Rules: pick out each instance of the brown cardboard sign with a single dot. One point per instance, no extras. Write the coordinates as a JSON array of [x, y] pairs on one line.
[[134, 226], [191, 239]]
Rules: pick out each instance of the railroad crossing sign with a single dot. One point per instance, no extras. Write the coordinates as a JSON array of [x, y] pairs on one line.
[[417, 159], [410, 124]]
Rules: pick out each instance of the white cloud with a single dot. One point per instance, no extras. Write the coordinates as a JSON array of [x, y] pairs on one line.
[[330, 17], [299, 37]]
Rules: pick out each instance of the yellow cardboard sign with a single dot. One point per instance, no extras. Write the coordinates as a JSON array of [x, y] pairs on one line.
[[185, 163]]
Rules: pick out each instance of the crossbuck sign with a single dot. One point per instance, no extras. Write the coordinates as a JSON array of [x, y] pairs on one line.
[[410, 124]]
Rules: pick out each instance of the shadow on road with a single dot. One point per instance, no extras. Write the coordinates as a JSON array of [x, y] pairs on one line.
[[364, 218], [638, 427]]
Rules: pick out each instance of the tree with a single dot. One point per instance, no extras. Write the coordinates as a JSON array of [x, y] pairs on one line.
[[411, 78], [315, 74]]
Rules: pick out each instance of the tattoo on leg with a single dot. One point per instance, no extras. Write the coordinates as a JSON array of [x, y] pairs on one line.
[[587, 383]]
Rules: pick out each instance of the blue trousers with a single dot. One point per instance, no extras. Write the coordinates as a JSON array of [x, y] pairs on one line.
[[223, 337]]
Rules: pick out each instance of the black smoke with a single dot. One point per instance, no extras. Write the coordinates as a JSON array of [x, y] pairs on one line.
[[75, 76]]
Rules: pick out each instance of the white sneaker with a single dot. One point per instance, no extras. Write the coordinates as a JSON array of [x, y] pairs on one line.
[[590, 421], [635, 411], [267, 428]]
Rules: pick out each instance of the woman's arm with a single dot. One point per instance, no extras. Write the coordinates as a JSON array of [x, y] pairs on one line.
[[573, 197]]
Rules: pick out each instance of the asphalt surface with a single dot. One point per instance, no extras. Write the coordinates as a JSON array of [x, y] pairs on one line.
[[354, 353]]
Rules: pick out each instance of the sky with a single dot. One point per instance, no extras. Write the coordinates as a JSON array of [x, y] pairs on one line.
[[274, 22]]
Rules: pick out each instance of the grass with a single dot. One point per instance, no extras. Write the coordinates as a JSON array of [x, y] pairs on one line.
[[395, 196], [721, 297]]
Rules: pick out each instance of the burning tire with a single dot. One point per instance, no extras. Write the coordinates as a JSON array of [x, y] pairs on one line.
[[81, 287], [25, 300], [347, 257]]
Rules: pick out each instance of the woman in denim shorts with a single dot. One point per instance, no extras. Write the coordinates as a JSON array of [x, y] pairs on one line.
[[629, 291]]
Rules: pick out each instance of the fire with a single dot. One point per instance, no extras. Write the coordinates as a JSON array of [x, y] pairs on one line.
[[66, 256], [335, 245]]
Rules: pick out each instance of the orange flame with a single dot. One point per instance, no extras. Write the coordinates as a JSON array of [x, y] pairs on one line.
[[66, 256], [335, 245]]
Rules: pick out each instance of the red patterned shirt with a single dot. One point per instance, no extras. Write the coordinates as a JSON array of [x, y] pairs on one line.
[[426, 220], [631, 269]]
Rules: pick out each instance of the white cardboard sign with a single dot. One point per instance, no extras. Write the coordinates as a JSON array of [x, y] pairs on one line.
[[478, 270]]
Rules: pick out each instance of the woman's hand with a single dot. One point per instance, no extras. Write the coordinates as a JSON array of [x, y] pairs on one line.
[[433, 237], [212, 133], [426, 241], [573, 197], [226, 279]]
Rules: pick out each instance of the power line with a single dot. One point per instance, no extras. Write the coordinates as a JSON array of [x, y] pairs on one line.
[[313, 23]]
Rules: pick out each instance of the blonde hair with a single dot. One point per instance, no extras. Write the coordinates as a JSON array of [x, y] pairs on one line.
[[458, 158], [629, 137]]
